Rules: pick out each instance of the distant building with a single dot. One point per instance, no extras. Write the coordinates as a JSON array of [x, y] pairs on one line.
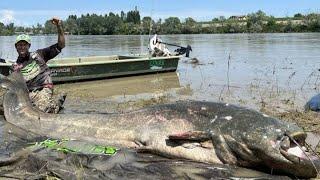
[[238, 18]]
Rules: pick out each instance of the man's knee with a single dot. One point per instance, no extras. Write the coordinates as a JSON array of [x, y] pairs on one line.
[[43, 99]]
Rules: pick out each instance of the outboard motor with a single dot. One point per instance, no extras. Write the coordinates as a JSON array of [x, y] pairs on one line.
[[183, 50], [158, 48]]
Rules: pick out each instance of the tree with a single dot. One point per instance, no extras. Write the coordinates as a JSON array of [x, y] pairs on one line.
[[18, 29], [147, 24], [123, 16], [158, 26], [1, 28], [255, 21], [130, 23], [233, 26], [84, 23], [222, 21], [215, 20], [111, 22], [298, 15], [171, 25], [222, 18], [271, 25], [289, 27], [37, 29], [71, 25], [190, 26], [11, 29], [96, 23], [134, 17], [312, 21]]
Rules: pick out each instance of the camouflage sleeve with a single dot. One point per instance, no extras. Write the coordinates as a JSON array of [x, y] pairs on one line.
[[49, 52]]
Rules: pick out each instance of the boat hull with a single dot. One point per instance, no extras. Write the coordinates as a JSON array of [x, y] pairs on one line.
[[99, 67]]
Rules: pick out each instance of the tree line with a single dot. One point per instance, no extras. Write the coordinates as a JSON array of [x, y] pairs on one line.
[[131, 23]]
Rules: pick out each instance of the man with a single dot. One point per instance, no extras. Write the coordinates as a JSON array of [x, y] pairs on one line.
[[157, 48], [33, 66]]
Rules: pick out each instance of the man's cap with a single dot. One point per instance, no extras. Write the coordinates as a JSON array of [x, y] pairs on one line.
[[23, 37]]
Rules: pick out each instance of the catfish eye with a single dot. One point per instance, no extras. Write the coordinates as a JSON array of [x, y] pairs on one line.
[[280, 136], [285, 143]]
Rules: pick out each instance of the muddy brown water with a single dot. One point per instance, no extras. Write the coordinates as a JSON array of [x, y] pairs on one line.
[[274, 73], [254, 70]]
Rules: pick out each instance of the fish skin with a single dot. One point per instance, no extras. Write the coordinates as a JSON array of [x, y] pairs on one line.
[[240, 136]]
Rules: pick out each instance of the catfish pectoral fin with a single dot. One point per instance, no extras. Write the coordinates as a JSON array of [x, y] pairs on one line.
[[190, 135], [243, 152], [222, 150]]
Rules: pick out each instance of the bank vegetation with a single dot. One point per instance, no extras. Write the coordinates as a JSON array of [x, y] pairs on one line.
[[131, 23]]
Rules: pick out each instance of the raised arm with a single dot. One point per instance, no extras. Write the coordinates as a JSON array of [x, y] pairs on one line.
[[61, 40]]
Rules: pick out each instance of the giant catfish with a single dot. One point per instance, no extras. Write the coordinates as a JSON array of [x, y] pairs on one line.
[[237, 135]]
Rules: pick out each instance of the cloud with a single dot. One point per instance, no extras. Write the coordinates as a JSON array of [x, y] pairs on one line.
[[32, 17], [7, 16], [46, 13]]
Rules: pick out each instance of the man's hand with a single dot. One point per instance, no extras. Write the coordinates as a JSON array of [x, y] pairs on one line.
[[61, 41], [56, 21]]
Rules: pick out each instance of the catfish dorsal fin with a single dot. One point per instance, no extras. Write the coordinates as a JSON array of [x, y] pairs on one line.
[[191, 135]]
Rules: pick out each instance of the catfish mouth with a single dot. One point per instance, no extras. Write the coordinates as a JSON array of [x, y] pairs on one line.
[[292, 156], [293, 148]]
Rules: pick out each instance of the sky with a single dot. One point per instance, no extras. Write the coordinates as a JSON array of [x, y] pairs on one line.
[[31, 12]]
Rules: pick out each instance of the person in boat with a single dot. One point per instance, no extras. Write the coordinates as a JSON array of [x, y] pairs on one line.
[[35, 71], [157, 48]]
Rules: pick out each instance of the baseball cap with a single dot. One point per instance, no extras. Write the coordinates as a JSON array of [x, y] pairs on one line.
[[23, 37]]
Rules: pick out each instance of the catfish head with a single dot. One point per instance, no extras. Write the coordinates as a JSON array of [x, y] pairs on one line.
[[262, 141]]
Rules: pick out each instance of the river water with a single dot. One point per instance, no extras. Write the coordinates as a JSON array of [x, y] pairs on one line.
[[233, 67], [252, 70]]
